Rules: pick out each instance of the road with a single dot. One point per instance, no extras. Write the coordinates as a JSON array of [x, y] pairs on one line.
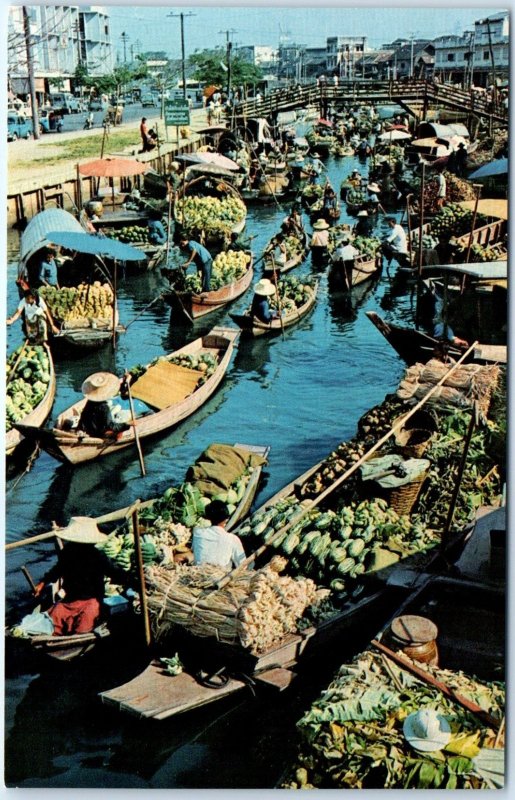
[[132, 112]]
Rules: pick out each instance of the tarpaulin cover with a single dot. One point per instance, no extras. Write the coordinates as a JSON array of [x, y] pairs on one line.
[[219, 466]]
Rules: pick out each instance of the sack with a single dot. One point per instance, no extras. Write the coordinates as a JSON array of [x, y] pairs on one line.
[[37, 624]]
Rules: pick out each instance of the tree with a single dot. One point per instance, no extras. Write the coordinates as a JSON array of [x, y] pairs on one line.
[[209, 69]]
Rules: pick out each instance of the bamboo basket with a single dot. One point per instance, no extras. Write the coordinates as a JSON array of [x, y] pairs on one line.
[[403, 498], [413, 442]]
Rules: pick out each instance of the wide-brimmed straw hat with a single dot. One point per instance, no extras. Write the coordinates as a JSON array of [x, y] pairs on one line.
[[363, 213], [373, 187], [264, 287], [320, 225], [427, 730], [101, 386], [82, 530]]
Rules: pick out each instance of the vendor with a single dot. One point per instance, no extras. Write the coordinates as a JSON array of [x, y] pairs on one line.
[[319, 242], [47, 272], [156, 231], [373, 199], [277, 250], [260, 308], [80, 570], [35, 314], [97, 417], [363, 226], [215, 545], [200, 256], [342, 261], [396, 244]]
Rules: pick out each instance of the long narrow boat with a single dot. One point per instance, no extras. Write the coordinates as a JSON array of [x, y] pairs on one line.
[[198, 305], [68, 648], [414, 346], [73, 447], [345, 277], [251, 326], [269, 266], [92, 335], [39, 414]]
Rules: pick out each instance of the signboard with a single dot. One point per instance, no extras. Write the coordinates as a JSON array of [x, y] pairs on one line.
[[177, 112]]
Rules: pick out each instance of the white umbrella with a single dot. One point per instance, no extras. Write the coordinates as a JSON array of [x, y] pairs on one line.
[[394, 135]]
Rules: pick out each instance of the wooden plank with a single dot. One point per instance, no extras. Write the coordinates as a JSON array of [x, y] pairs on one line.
[[277, 678], [156, 695], [491, 352], [165, 384], [477, 555]]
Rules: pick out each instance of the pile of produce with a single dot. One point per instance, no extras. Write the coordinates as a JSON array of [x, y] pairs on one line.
[[469, 384], [479, 254], [429, 242], [367, 245], [255, 610], [227, 268], [205, 363], [312, 192], [293, 293], [336, 548], [82, 302], [210, 214], [453, 220], [457, 191], [356, 197], [28, 385], [352, 736], [132, 234], [294, 246]]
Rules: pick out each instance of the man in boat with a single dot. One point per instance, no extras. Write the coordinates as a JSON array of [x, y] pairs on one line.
[[277, 250], [319, 241], [396, 244], [317, 167], [260, 308], [343, 260], [80, 571], [215, 545], [363, 226], [97, 418], [47, 272], [35, 314], [441, 189], [373, 199], [202, 258], [156, 231]]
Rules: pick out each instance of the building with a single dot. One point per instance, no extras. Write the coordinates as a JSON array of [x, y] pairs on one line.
[[260, 55], [343, 53], [62, 38], [414, 59], [376, 65], [478, 56]]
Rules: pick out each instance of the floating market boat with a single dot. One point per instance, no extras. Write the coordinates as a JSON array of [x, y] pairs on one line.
[[41, 411], [195, 305], [251, 326], [210, 208], [70, 647], [299, 252], [171, 391], [347, 275]]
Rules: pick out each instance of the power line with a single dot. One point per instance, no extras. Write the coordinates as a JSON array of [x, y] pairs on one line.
[[182, 15]]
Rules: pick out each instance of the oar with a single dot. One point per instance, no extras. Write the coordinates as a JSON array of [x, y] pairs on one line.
[[159, 297], [136, 434], [13, 370], [28, 576], [279, 308]]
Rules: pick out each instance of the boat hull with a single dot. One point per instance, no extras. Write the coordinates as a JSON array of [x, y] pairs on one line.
[[38, 415], [251, 326], [199, 305]]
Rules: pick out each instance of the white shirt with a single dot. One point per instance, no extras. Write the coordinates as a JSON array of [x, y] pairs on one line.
[[442, 185], [214, 545], [397, 239], [345, 253], [33, 310]]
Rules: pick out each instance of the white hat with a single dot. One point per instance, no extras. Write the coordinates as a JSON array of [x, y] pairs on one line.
[[315, 155], [82, 530], [264, 287], [101, 386], [427, 730], [363, 213], [373, 187], [320, 225]]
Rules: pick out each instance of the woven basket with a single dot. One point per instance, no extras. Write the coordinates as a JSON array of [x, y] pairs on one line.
[[413, 442], [403, 498]]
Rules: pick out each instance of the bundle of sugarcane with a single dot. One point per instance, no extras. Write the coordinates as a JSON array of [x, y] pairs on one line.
[[469, 384], [256, 609]]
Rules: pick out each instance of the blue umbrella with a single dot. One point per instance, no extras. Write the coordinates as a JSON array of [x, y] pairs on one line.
[[497, 167], [96, 245]]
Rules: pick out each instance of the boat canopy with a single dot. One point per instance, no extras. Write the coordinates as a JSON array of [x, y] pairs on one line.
[[34, 237], [487, 271], [490, 207], [429, 129]]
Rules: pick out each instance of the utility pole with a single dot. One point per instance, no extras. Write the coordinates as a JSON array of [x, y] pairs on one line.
[[490, 47], [76, 28], [229, 49], [124, 37], [30, 72], [363, 58], [411, 58], [183, 56]]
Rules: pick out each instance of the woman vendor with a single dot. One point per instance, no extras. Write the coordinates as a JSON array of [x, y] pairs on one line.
[[260, 308], [97, 416], [319, 242]]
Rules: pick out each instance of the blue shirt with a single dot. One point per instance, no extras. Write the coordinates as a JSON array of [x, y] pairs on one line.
[[261, 308], [201, 255], [48, 272], [156, 232]]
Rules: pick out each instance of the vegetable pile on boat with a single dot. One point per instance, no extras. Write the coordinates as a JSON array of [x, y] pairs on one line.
[[210, 214], [454, 220], [352, 736], [255, 610], [28, 385], [205, 363], [82, 302], [134, 234], [293, 246], [228, 266], [293, 293]]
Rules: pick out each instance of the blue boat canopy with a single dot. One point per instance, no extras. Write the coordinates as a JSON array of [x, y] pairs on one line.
[[34, 237], [95, 245]]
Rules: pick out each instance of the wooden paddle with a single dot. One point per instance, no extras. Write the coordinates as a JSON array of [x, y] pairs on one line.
[[279, 308], [13, 370], [136, 434]]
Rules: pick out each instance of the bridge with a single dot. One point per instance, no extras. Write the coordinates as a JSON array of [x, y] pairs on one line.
[[415, 96]]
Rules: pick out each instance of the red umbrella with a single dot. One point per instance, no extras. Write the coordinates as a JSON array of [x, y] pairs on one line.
[[324, 122], [112, 168]]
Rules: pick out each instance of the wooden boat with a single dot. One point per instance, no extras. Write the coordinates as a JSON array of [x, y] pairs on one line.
[[198, 305], [68, 648], [341, 150], [355, 201], [86, 334], [75, 448], [39, 414], [269, 266], [254, 327], [414, 346], [363, 269]]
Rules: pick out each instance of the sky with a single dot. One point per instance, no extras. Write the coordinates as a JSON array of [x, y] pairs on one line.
[[150, 27]]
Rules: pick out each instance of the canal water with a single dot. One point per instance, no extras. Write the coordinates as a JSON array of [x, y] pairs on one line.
[[302, 395]]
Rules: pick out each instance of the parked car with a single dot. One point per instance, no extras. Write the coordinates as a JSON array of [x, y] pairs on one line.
[[65, 103], [18, 127], [148, 100], [96, 104], [49, 121]]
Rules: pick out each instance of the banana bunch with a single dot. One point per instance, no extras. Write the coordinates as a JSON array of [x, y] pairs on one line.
[[85, 301]]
